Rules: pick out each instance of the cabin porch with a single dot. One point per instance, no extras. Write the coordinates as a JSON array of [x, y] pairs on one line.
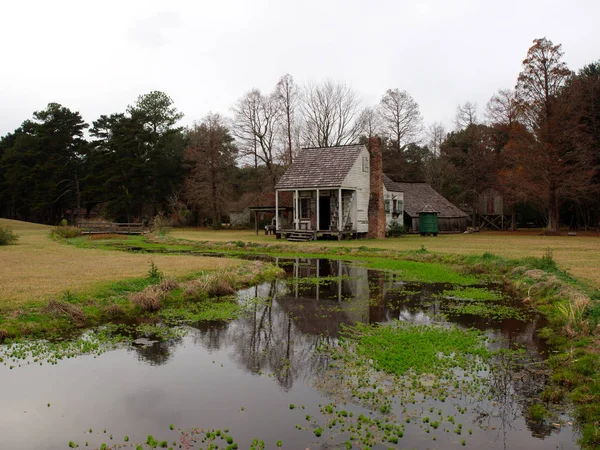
[[318, 213]]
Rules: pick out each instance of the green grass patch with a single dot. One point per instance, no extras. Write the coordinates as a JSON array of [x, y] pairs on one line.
[[425, 272], [489, 311], [472, 294], [422, 349]]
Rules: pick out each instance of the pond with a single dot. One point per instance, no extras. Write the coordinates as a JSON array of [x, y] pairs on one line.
[[266, 377]]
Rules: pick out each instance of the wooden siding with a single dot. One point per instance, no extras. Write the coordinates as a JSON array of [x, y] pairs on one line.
[[491, 203], [359, 180], [446, 224], [390, 196]]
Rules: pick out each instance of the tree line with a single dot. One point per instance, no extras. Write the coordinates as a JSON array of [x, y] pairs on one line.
[[538, 144]]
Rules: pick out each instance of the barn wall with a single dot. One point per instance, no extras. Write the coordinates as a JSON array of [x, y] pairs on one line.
[[491, 202], [240, 218], [446, 224], [359, 180], [452, 224]]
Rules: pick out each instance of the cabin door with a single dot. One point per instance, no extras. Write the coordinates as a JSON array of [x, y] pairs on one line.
[[324, 213]]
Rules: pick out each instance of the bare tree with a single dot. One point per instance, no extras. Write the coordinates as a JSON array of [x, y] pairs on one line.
[[255, 127], [437, 170], [330, 112], [466, 115], [435, 136], [370, 122], [503, 108], [286, 93], [401, 118]]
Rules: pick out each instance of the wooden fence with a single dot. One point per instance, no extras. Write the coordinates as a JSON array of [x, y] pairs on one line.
[[112, 228]]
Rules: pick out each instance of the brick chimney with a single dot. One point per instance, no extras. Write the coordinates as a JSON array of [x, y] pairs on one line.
[[376, 206]]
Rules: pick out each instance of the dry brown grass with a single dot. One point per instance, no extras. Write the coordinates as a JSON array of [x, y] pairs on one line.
[[168, 284], [113, 310], [149, 299], [72, 312], [580, 255], [37, 268]]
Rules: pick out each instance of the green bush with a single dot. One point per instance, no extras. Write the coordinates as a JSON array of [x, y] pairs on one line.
[[65, 231], [395, 229], [8, 236]]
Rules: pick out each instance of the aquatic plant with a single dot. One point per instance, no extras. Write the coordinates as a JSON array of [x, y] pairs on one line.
[[402, 347]]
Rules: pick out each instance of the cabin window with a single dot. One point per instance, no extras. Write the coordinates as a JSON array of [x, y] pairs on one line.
[[305, 208], [387, 206], [365, 164], [398, 207]]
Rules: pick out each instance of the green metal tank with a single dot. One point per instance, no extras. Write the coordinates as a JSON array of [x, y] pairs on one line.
[[428, 221]]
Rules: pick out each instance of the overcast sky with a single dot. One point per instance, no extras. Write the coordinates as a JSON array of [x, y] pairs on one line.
[[97, 57]]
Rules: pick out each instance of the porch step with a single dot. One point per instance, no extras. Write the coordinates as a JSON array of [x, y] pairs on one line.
[[300, 236]]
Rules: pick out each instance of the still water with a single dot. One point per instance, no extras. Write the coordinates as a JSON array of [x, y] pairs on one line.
[[244, 375]]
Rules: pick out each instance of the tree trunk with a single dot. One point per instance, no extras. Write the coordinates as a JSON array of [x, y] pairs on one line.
[[78, 199], [513, 219], [553, 212], [214, 200], [289, 135]]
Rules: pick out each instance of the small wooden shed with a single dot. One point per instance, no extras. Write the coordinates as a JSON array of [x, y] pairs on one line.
[[418, 195]]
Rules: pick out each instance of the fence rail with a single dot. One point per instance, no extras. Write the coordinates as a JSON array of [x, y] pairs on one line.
[[112, 228]]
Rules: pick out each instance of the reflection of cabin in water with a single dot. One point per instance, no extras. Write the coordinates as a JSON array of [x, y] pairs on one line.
[[338, 192]]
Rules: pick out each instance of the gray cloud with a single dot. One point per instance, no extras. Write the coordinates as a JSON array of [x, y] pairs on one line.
[[98, 57]]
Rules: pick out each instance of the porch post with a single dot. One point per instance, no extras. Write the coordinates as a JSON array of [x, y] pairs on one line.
[[318, 272], [317, 226], [276, 211], [339, 281], [340, 210], [296, 212]]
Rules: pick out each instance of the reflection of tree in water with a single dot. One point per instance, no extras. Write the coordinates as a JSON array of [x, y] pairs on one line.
[[515, 382], [288, 321], [156, 354], [267, 339], [212, 335]]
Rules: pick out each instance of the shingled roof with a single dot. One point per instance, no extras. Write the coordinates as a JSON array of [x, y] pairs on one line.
[[419, 195], [390, 185], [320, 167]]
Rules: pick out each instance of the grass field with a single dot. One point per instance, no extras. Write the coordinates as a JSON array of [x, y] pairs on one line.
[[579, 255], [38, 267]]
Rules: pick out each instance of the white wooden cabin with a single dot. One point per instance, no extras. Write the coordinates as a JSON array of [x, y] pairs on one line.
[[331, 188]]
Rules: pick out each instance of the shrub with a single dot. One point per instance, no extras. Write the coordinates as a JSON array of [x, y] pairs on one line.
[[113, 310], [160, 224], [220, 288], [154, 273], [149, 299], [66, 232], [395, 229], [168, 284], [538, 412], [8, 236], [574, 316]]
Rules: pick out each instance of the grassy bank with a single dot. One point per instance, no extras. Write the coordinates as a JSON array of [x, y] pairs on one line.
[[196, 297], [580, 255], [38, 268]]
